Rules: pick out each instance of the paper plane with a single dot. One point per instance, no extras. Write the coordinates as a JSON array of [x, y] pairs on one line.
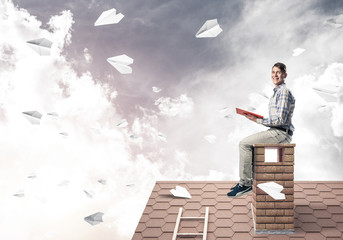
[[156, 89], [224, 109], [109, 17], [41, 46], [180, 192], [95, 218], [20, 193], [210, 138], [63, 183], [33, 116], [130, 185], [64, 134], [53, 114], [272, 189], [133, 137], [102, 181], [32, 176], [298, 51], [162, 137], [210, 29], [228, 116], [121, 63], [123, 123], [329, 92], [89, 194]]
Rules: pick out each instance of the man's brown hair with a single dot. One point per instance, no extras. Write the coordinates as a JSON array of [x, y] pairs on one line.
[[281, 66]]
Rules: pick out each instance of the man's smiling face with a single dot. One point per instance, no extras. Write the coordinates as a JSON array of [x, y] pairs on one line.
[[277, 76]]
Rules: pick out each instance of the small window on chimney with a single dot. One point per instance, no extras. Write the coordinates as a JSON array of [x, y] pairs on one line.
[[271, 155]]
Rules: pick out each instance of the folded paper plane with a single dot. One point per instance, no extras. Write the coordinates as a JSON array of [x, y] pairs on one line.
[[121, 63], [20, 193], [156, 89], [272, 189], [298, 51], [102, 181], [180, 192], [210, 138], [329, 92], [32, 176], [64, 183], [42, 46], [95, 218], [123, 123], [210, 29], [33, 116], [162, 137], [109, 17], [89, 194], [64, 134], [224, 109], [53, 114]]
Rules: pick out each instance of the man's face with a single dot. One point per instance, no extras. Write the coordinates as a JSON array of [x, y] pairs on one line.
[[277, 76]]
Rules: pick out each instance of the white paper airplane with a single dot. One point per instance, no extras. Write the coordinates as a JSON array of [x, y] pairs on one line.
[[89, 194], [64, 183], [224, 109], [64, 134], [20, 193], [121, 63], [298, 51], [123, 123], [42, 46], [162, 137], [32, 176], [180, 192], [53, 114], [272, 189], [210, 29], [109, 17], [156, 89], [33, 116], [95, 218], [102, 181], [210, 138], [329, 92], [130, 185]]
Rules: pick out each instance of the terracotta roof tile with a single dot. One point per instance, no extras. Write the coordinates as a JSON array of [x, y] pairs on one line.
[[311, 227], [318, 212], [331, 232]]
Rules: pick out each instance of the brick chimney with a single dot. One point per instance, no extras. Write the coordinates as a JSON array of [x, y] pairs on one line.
[[273, 216]]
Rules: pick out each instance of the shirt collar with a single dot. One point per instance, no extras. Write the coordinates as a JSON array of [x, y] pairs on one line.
[[280, 86]]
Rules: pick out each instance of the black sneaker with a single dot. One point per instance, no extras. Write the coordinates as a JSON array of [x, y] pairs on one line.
[[239, 190], [234, 186]]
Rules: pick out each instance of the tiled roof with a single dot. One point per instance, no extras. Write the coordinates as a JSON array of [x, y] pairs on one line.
[[318, 212]]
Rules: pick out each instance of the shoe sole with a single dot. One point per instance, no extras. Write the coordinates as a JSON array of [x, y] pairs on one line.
[[241, 193]]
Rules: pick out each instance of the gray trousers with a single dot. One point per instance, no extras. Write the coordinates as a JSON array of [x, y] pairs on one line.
[[246, 149]]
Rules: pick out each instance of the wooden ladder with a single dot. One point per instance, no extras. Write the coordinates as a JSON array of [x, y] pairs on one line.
[[179, 218]]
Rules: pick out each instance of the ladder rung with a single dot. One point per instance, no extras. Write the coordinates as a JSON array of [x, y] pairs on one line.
[[192, 217], [190, 234]]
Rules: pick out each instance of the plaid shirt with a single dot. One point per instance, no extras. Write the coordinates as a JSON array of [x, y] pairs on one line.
[[281, 107]]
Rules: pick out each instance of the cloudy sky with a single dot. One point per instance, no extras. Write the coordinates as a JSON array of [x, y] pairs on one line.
[[163, 135]]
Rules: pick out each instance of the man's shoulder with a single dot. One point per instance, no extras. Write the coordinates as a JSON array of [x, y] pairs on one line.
[[284, 91]]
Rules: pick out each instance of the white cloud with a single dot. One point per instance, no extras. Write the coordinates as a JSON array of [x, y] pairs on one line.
[[172, 107]]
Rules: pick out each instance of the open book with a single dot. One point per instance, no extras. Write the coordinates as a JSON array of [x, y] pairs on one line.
[[244, 112]]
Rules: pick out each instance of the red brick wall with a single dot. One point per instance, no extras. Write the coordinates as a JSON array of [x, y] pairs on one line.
[[271, 214]]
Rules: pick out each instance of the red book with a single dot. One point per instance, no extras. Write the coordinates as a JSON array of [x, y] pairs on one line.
[[244, 112]]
